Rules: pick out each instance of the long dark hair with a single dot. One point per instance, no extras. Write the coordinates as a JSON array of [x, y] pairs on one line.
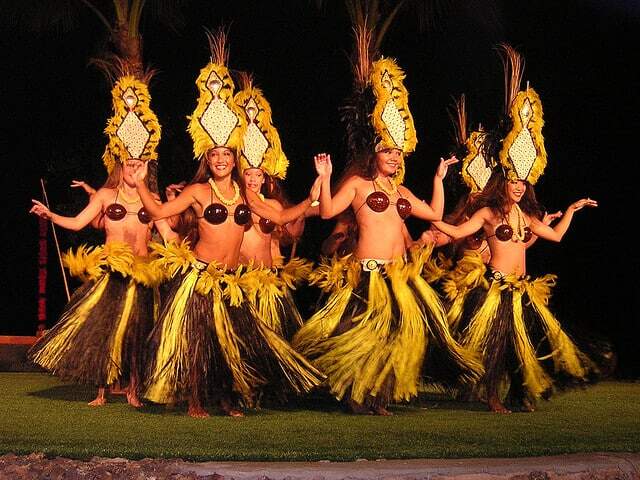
[[187, 226], [495, 197]]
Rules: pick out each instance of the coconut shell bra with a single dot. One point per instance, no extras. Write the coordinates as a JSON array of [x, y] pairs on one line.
[[379, 201], [116, 211], [217, 213]]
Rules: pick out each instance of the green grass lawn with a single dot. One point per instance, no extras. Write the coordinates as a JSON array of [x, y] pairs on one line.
[[38, 413]]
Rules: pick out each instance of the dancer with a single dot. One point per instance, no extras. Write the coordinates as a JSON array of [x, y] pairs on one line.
[[100, 336], [371, 336], [261, 162], [505, 315], [210, 343]]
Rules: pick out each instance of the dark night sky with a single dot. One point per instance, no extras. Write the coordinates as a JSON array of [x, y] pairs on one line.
[[579, 57]]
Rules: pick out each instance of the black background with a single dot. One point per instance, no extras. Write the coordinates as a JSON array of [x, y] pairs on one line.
[[579, 57]]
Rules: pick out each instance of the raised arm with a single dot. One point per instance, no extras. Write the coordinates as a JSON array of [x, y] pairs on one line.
[[78, 222], [475, 223], [548, 219], [98, 221], [435, 210], [437, 198], [556, 232], [332, 206], [162, 210], [281, 216]]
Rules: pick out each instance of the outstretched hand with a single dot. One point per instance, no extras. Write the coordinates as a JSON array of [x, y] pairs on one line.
[[443, 167], [174, 189], [40, 210], [550, 217], [580, 204], [323, 164], [83, 185]]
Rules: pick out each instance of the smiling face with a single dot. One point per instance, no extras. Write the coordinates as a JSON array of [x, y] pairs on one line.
[[129, 168], [254, 179], [515, 190], [221, 161], [388, 161]]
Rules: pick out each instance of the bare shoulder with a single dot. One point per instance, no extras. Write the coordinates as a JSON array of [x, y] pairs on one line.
[[104, 193]]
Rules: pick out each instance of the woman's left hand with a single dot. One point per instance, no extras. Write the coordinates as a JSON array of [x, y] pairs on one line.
[[443, 167], [580, 204]]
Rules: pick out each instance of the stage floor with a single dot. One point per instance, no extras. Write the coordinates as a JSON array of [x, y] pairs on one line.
[[42, 414]]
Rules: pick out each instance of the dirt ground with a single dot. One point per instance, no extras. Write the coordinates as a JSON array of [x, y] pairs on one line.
[[598, 466]]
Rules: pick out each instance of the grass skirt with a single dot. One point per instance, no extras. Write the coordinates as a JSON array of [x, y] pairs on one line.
[[210, 341], [271, 294], [509, 322], [100, 337], [375, 331]]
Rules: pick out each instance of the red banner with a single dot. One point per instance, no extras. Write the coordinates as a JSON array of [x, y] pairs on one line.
[[42, 275]]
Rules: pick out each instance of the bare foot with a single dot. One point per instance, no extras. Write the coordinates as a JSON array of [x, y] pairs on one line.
[[383, 412], [133, 400], [358, 409], [226, 407], [527, 406], [496, 406], [98, 401], [196, 411]]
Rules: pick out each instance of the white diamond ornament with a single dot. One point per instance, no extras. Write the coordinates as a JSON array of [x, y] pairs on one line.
[[523, 153], [394, 122], [255, 145], [479, 171], [133, 134], [218, 121]]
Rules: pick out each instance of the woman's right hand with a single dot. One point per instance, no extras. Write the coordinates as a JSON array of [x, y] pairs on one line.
[[83, 185], [40, 210], [172, 190], [323, 164], [140, 174]]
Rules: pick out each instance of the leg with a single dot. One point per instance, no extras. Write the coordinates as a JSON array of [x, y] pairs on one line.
[[100, 400], [132, 394], [493, 400]]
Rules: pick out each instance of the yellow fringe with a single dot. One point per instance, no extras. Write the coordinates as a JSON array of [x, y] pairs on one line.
[[468, 274], [91, 263], [244, 284], [536, 380], [173, 348], [115, 365], [566, 356], [360, 360]]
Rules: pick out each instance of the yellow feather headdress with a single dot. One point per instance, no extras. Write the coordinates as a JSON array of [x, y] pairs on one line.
[[260, 147], [391, 118], [133, 130], [216, 121], [523, 154]]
